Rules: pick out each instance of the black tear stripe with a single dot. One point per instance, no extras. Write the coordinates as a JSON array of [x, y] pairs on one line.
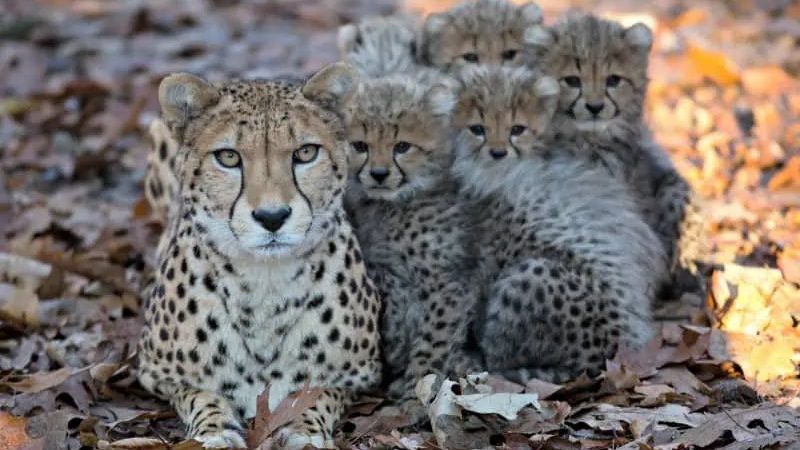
[[613, 102], [366, 160], [236, 200], [574, 102], [302, 194], [399, 169]]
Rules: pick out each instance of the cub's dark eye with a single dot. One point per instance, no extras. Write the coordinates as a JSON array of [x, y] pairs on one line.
[[470, 57], [516, 130], [305, 154], [228, 157], [360, 146], [477, 130], [572, 81], [613, 80], [401, 147], [508, 55]]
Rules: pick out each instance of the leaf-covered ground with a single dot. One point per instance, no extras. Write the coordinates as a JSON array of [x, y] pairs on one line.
[[78, 88]]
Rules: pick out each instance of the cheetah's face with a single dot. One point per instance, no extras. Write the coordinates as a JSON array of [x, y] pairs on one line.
[[502, 114], [482, 32], [398, 133], [601, 68], [265, 165]]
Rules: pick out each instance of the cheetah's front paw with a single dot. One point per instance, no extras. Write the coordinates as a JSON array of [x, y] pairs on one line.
[[289, 439], [221, 439]]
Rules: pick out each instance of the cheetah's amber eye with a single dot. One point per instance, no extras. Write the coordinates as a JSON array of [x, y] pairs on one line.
[[572, 81], [228, 157], [613, 81], [477, 130], [516, 130], [508, 55], [470, 57], [401, 147], [360, 146], [305, 154]]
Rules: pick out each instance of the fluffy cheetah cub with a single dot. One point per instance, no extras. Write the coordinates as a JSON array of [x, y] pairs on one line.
[[602, 69], [478, 32], [380, 46], [569, 264], [410, 224], [261, 279]]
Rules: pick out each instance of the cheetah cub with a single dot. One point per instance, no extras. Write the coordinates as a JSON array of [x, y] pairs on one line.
[[261, 279], [410, 224], [478, 32], [380, 46], [602, 69], [569, 264]]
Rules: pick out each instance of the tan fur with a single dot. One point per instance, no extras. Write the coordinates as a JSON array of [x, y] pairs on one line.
[[413, 109], [481, 31], [239, 304], [593, 51], [497, 100]]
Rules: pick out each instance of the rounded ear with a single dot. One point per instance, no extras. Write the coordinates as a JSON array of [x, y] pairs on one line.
[[182, 97], [331, 86], [348, 39], [539, 38], [441, 98], [546, 89], [639, 37], [530, 13], [434, 24]]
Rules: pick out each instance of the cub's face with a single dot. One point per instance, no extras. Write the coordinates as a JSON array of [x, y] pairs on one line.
[[398, 130], [265, 165], [502, 115], [601, 68], [480, 32]]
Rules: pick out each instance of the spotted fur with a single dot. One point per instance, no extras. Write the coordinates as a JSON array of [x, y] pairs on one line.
[[569, 266], [602, 70], [243, 299], [411, 225]]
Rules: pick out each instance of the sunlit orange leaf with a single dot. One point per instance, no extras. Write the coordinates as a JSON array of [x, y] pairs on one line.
[[766, 80], [713, 65], [13, 435]]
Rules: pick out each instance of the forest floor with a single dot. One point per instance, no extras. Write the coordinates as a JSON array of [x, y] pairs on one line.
[[78, 83]]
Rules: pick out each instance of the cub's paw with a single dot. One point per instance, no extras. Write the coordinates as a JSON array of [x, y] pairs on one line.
[[221, 439], [288, 439]]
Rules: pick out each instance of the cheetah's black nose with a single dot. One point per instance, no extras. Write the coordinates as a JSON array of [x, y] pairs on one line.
[[379, 174], [272, 218], [498, 153], [595, 108]]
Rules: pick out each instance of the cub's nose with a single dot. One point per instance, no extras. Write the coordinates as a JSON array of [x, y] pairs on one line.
[[498, 153], [595, 108], [272, 218], [379, 174]]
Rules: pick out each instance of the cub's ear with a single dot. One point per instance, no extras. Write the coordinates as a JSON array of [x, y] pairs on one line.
[[429, 36], [539, 38], [183, 97], [546, 89], [331, 86], [639, 37], [348, 39], [530, 13], [441, 98]]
